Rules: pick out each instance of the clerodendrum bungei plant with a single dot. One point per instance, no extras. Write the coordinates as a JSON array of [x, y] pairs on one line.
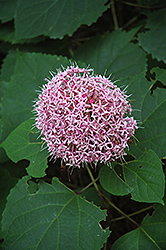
[[86, 169], [83, 118]]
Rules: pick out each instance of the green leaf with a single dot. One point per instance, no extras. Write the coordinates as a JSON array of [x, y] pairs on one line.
[[115, 53], [7, 70], [137, 87], [112, 182], [55, 18], [8, 9], [7, 34], [6, 183], [152, 134], [30, 71], [160, 74], [145, 176], [6, 73], [152, 102], [18, 146], [8, 66], [150, 236], [54, 217], [153, 41]]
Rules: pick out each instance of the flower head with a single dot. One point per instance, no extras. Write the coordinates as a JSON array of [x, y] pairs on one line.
[[84, 118]]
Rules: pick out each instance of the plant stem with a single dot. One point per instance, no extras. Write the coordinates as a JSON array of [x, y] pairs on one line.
[[92, 178], [120, 211], [90, 184], [132, 214], [131, 21], [109, 202], [114, 15], [141, 6]]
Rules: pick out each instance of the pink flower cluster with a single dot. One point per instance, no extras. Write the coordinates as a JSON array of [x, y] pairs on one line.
[[84, 118]]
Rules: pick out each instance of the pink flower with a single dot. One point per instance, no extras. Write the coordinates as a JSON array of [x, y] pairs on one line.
[[84, 118]]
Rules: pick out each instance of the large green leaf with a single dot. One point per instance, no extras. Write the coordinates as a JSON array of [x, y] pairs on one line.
[[150, 236], [20, 144], [152, 134], [8, 9], [6, 183], [143, 178], [115, 53], [30, 71], [112, 182], [153, 40], [53, 217], [55, 18], [146, 178]]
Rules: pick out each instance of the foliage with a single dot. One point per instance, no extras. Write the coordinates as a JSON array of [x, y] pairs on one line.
[[48, 208], [20, 144], [147, 236], [155, 34], [143, 178], [44, 205], [122, 59]]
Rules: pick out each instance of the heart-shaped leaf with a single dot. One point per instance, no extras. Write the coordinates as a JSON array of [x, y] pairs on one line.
[[145, 175], [18, 145], [30, 71], [53, 217], [143, 178], [55, 18]]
